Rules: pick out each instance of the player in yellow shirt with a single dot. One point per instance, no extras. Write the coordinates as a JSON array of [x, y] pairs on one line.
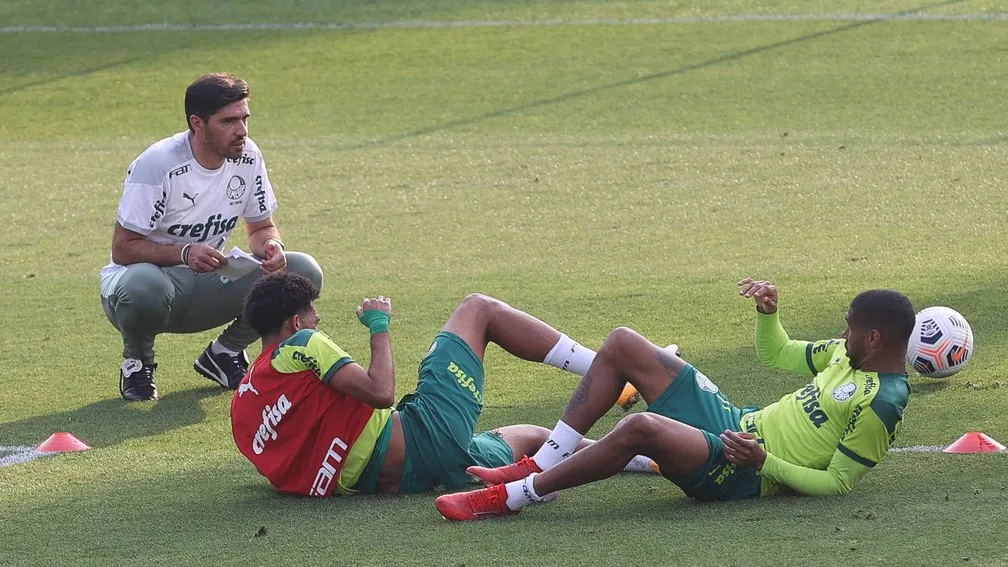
[[817, 440]]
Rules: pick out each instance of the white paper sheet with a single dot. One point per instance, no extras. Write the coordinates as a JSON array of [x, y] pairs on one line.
[[240, 263]]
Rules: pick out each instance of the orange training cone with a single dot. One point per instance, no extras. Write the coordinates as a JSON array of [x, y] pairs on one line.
[[62, 443], [974, 443]]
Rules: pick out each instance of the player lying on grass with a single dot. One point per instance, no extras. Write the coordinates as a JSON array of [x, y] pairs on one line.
[[312, 421], [818, 440]]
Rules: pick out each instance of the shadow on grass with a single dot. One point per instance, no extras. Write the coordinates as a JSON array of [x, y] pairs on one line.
[[726, 58], [45, 59], [926, 387], [82, 72], [109, 422], [223, 514]]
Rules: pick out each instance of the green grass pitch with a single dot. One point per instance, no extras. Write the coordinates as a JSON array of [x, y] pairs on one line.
[[595, 163]]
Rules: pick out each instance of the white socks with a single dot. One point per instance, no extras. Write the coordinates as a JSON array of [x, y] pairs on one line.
[[558, 446], [564, 439], [521, 492], [568, 355]]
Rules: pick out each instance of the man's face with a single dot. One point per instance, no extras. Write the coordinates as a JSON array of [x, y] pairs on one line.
[[308, 318], [225, 132], [857, 343]]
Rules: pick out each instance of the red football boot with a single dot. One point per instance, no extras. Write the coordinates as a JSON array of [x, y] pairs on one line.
[[489, 502], [507, 473]]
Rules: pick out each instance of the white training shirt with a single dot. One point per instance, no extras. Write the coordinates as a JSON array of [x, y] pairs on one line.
[[170, 198]]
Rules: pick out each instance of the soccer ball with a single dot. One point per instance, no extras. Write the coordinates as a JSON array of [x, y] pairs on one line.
[[941, 344]]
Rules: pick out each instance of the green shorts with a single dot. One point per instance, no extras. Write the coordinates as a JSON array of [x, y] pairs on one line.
[[694, 400], [439, 420]]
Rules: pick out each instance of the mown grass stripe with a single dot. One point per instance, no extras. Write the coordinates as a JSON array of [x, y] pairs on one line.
[[433, 24]]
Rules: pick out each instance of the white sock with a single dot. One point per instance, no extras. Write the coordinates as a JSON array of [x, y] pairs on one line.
[[568, 355], [521, 493], [558, 446], [217, 348], [641, 464]]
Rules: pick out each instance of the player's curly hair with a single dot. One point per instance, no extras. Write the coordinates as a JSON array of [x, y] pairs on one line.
[[212, 92], [888, 311], [275, 298]]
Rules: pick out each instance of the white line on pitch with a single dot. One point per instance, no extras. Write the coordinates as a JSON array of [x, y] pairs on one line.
[[918, 449], [432, 24], [16, 454]]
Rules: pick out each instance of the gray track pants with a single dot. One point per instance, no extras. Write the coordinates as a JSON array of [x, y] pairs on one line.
[[148, 300]]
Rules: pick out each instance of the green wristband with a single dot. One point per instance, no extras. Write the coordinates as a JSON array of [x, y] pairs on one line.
[[376, 320]]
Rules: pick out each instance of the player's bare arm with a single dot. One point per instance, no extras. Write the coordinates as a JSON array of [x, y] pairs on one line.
[[376, 385], [129, 247], [264, 240], [763, 292]]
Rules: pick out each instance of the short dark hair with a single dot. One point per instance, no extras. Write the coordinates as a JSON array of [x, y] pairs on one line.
[[212, 92], [275, 298], [886, 310]]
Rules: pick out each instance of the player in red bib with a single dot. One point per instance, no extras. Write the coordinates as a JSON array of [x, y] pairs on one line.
[[314, 422]]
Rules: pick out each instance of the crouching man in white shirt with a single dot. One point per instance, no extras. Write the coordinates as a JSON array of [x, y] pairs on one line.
[[181, 200]]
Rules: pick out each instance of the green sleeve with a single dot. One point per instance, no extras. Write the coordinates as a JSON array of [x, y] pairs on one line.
[[870, 432], [775, 348], [839, 478], [309, 349]]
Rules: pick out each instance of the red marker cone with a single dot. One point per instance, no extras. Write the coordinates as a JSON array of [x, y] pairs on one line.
[[62, 443], [974, 443]]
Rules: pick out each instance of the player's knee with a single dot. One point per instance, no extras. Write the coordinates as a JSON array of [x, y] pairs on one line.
[[619, 341], [477, 301], [635, 429], [638, 424], [479, 306], [305, 265]]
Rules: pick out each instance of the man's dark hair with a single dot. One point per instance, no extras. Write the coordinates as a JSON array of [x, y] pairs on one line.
[[275, 298], [210, 93], [886, 310]]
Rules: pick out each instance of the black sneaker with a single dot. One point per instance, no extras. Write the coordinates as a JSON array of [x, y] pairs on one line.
[[136, 381], [225, 369]]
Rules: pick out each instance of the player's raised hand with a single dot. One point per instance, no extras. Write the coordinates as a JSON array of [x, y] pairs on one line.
[[763, 292], [381, 303], [275, 260], [743, 449], [374, 313], [205, 258]]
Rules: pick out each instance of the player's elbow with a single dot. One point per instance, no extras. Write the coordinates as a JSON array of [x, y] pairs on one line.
[[834, 489], [766, 358], [384, 397], [385, 400], [843, 487], [120, 253], [124, 246]]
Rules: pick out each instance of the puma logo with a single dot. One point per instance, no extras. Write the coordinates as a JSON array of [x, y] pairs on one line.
[[192, 199], [246, 386], [131, 365]]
